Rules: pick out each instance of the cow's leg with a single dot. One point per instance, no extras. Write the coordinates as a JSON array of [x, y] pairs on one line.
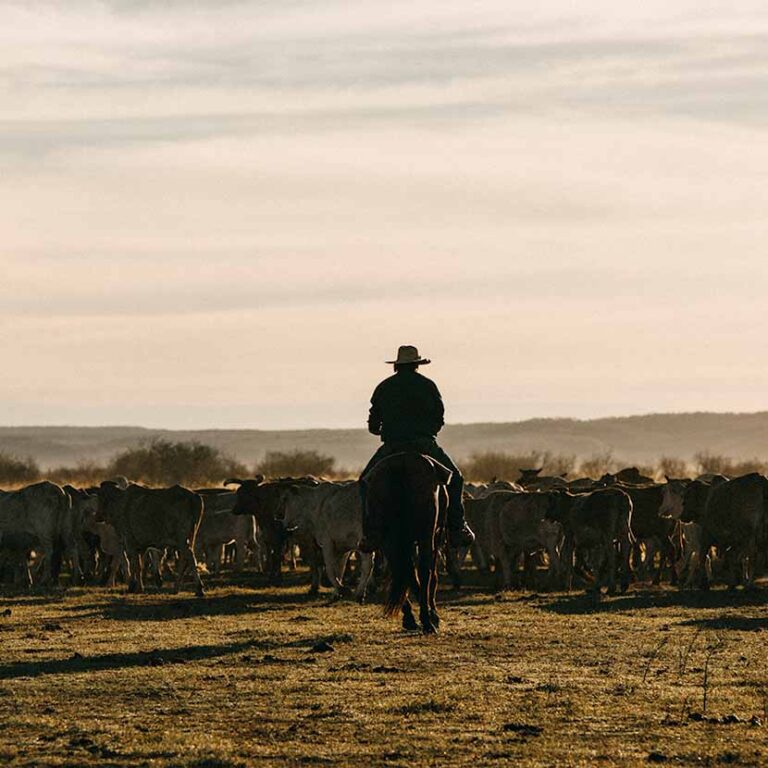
[[732, 567], [73, 553], [213, 555], [505, 560], [651, 549], [566, 563], [668, 558], [240, 550], [625, 563], [331, 565], [114, 566], [188, 561], [136, 582], [553, 571], [366, 570], [748, 566], [46, 572], [275, 561]]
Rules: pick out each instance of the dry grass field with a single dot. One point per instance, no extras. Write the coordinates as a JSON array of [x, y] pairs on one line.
[[256, 676]]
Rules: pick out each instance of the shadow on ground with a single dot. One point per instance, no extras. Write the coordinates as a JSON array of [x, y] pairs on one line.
[[649, 599]]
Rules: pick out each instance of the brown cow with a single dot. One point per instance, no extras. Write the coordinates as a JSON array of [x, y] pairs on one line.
[[732, 516], [266, 502], [154, 517], [596, 526]]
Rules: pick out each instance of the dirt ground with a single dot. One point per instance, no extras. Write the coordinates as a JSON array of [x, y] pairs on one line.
[[257, 676]]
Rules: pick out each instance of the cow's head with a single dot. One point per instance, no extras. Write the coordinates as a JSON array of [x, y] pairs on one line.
[[694, 501], [108, 496], [559, 504], [672, 498], [606, 481], [528, 475], [85, 504]]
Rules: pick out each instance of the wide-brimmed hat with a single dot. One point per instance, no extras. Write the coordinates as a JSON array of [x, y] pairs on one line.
[[407, 355]]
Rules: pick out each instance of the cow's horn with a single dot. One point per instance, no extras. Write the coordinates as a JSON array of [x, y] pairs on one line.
[[233, 481]]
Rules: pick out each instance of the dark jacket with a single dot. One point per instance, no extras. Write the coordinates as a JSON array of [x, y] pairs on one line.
[[405, 407]]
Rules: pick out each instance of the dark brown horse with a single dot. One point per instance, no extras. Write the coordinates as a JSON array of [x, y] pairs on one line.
[[407, 499]]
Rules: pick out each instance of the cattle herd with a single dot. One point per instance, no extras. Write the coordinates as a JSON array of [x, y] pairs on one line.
[[591, 533]]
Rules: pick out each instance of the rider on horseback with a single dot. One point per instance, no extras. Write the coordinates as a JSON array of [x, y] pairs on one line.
[[407, 412]]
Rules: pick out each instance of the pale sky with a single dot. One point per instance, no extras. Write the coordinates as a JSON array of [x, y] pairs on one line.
[[227, 214]]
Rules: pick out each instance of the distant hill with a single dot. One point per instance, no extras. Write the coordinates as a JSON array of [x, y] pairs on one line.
[[632, 438]]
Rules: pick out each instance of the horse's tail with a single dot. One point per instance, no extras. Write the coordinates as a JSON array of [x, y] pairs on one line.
[[400, 577]]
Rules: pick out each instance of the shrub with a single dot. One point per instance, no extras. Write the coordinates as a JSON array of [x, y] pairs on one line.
[[670, 466], [84, 473], [712, 463], [14, 471], [296, 463], [598, 465], [163, 462]]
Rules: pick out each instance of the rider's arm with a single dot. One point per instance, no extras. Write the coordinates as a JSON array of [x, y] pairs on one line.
[[438, 411]]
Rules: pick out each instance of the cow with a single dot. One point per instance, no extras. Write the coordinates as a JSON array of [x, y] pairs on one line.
[[476, 512], [656, 533], [521, 528], [732, 516], [154, 517], [327, 519], [16, 548], [596, 526], [632, 476], [266, 502], [533, 480], [113, 559], [85, 507], [220, 527], [41, 513]]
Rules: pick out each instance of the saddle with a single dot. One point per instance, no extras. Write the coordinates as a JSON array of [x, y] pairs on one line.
[[442, 473]]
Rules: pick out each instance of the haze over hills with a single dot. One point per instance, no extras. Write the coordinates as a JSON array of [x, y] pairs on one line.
[[633, 439]]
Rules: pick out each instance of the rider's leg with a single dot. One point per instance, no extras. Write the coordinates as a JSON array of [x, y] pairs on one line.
[[459, 533]]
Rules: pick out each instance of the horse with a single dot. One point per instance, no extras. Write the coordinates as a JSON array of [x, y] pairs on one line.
[[407, 498]]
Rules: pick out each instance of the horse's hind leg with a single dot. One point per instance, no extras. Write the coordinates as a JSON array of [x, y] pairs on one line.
[[409, 620], [427, 565], [432, 592]]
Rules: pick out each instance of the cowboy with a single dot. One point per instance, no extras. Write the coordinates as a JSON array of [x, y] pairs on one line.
[[407, 413]]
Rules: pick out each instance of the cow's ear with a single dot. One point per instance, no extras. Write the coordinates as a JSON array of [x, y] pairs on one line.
[[259, 479]]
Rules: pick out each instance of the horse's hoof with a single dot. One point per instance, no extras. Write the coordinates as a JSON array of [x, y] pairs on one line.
[[409, 624], [429, 629], [200, 592]]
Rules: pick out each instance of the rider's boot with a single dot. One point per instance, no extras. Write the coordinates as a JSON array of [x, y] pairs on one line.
[[459, 532]]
